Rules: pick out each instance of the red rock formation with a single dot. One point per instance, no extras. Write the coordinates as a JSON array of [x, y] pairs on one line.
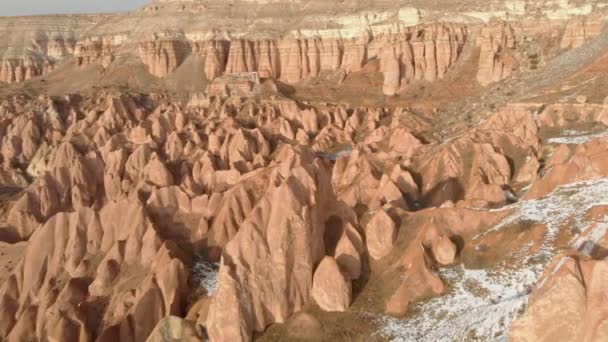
[[331, 289], [587, 162], [510, 134], [496, 60], [174, 328], [59, 47], [424, 53], [122, 195], [563, 114], [480, 180], [283, 234], [567, 303], [381, 235], [444, 251], [93, 51], [392, 73], [355, 180], [163, 56], [215, 54], [22, 69], [71, 242], [579, 30], [241, 57], [431, 247], [348, 252]]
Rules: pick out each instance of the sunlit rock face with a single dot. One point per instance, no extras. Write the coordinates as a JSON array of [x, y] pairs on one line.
[[164, 34]]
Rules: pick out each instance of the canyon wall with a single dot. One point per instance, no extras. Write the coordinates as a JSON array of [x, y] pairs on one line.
[[32, 46], [21, 69], [93, 51], [496, 60], [421, 53], [579, 30], [407, 40]]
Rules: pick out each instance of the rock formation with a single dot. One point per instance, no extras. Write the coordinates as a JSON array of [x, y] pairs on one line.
[[580, 30], [381, 235], [22, 69], [330, 288], [421, 53], [93, 51], [304, 170], [566, 305], [162, 56], [283, 228], [496, 60]]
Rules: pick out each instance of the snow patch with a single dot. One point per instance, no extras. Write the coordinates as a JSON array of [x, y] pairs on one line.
[[482, 304], [205, 275], [571, 137]]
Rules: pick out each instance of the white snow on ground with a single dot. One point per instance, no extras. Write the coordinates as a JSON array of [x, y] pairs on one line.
[[205, 274], [576, 137], [482, 303]]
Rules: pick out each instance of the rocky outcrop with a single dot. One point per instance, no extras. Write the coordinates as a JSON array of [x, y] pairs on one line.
[[476, 167], [22, 69], [381, 235], [215, 54], [293, 60], [172, 329], [578, 30], [153, 216], [424, 53], [276, 248], [391, 69], [163, 56], [421, 53], [496, 58], [567, 303], [71, 244], [357, 182], [318, 42], [444, 251], [94, 51], [480, 181], [429, 246], [586, 162], [563, 114], [331, 290], [348, 253]]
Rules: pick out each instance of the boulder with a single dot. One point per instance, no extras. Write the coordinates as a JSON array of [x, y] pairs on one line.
[[380, 235], [331, 289]]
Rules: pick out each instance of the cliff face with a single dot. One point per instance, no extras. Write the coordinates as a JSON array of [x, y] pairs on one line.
[[292, 60], [214, 54], [424, 53], [32, 46], [496, 60], [21, 69], [36, 61], [279, 40], [579, 30], [93, 51], [162, 57], [421, 53]]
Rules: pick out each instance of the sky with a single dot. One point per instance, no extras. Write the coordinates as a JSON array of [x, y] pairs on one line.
[[28, 7]]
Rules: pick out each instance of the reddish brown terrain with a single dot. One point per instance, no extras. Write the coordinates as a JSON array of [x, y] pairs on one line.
[[306, 170]]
